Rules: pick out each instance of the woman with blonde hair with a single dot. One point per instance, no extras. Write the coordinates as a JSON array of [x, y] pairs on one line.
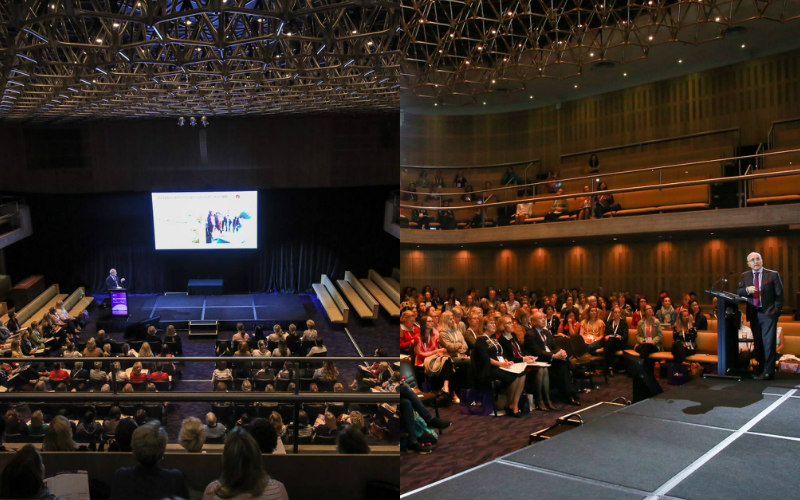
[[192, 437], [91, 350], [58, 436]]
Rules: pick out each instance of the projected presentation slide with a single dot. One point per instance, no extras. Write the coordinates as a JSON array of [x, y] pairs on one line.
[[210, 220]]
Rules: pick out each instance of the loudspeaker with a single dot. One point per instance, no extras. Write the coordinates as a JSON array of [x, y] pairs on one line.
[[645, 384]]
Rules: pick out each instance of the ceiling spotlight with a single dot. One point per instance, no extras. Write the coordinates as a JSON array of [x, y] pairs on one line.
[[193, 121], [680, 61], [204, 121], [716, 19], [624, 74], [743, 45], [576, 85], [181, 121], [650, 38]]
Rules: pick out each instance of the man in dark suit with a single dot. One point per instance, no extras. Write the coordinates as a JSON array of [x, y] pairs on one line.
[[539, 342], [764, 290], [112, 280]]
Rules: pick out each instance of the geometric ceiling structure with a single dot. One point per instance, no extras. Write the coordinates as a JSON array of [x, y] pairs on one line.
[[68, 59], [458, 51]]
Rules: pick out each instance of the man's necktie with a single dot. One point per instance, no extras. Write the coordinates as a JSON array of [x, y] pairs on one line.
[[757, 293]]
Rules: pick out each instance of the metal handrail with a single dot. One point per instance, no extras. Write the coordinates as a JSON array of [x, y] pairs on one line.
[[295, 397], [108, 397], [467, 167], [650, 142], [659, 168], [697, 182]]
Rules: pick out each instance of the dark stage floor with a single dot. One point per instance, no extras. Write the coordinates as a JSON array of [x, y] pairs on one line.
[[708, 439], [246, 307]]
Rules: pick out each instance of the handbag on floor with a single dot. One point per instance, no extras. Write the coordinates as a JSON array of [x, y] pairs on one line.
[[476, 402]]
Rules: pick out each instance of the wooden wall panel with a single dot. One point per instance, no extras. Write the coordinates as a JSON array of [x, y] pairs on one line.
[[638, 267], [748, 95]]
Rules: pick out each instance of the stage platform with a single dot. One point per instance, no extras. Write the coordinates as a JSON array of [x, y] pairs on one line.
[[247, 308], [709, 439]]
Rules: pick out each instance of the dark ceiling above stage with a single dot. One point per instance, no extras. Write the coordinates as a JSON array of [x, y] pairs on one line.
[[155, 58], [513, 54]]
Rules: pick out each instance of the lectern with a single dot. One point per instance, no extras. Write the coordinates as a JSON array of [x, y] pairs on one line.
[[119, 301], [728, 321]]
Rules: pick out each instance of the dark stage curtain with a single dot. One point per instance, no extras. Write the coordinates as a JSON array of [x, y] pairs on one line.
[[303, 233]]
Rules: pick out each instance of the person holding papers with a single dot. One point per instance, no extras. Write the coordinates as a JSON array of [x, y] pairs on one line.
[[491, 362]]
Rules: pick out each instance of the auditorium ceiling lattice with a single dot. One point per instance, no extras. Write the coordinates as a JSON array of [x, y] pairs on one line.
[[460, 52], [64, 59]]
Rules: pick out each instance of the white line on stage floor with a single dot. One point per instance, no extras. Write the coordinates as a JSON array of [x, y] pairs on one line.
[[677, 478]]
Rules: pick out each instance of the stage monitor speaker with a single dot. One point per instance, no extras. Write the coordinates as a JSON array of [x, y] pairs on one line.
[[645, 384], [138, 330]]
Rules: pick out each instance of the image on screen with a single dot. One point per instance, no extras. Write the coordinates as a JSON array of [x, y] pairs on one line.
[[207, 220]]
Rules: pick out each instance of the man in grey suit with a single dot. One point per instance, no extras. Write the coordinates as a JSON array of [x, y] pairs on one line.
[[764, 290]]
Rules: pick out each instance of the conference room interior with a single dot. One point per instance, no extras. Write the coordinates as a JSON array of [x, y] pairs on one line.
[[686, 139], [297, 109]]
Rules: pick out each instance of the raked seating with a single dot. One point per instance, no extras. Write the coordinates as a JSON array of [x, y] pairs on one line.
[[77, 302], [35, 309], [356, 299], [334, 304], [390, 291], [391, 307]]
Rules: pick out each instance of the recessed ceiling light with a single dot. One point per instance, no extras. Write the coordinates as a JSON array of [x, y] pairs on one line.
[[436, 104], [743, 45], [650, 38], [494, 81], [576, 85], [716, 19], [624, 74], [530, 97], [484, 103], [591, 54], [680, 61]]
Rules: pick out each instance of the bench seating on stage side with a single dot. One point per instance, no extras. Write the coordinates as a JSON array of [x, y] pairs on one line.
[[385, 302], [48, 298], [775, 189], [77, 302], [338, 477], [355, 300], [366, 297], [334, 304], [390, 291]]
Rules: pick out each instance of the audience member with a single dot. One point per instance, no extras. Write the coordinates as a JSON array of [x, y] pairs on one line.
[[23, 476], [212, 428], [351, 440], [684, 337], [58, 436], [192, 435], [243, 474], [649, 338], [147, 480], [265, 435], [488, 359], [667, 314]]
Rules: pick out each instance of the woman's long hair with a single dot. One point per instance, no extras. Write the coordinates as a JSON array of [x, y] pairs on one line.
[[242, 470], [58, 436]]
